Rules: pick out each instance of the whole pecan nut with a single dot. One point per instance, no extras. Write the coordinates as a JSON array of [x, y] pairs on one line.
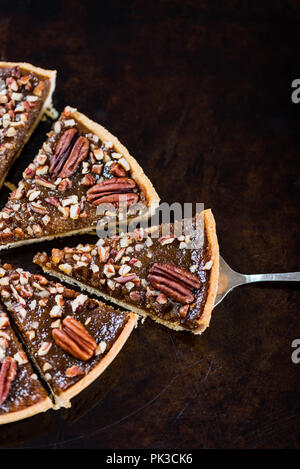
[[115, 191], [175, 282], [75, 339], [7, 375]]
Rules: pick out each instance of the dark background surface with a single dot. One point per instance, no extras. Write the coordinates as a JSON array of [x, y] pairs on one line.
[[200, 93]]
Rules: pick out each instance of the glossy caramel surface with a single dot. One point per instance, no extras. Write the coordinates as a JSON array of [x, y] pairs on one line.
[[200, 92]]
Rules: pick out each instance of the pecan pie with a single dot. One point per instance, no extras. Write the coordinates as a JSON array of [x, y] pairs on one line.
[[70, 338], [78, 168], [173, 279], [21, 393], [25, 93]]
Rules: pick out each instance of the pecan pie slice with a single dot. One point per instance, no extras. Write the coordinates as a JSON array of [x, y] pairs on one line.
[[79, 167], [71, 338], [170, 277], [25, 93], [21, 393]]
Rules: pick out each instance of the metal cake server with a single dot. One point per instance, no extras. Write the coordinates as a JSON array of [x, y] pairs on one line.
[[229, 279]]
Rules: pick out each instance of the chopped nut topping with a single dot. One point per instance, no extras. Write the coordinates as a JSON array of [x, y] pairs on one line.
[[208, 265], [30, 335], [109, 270], [66, 268], [56, 311], [47, 367], [166, 240], [162, 299], [79, 301], [101, 348], [4, 322], [56, 324]]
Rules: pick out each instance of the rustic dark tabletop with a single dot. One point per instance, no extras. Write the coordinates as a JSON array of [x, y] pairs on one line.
[[200, 93]]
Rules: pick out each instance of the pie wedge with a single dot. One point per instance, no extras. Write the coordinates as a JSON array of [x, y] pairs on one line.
[[25, 93], [71, 338], [79, 168], [21, 393], [173, 279]]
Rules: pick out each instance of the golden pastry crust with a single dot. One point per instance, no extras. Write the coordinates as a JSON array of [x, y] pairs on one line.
[[63, 400], [51, 75], [35, 409]]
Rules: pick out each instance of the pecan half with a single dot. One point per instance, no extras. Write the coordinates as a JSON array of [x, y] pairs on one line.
[[7, 375], [73, 371], [78, 154], [62, 151], [175, 282], [115, 191], [75, 339]]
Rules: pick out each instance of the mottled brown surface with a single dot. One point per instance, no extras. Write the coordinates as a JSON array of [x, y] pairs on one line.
[[200, 94]]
